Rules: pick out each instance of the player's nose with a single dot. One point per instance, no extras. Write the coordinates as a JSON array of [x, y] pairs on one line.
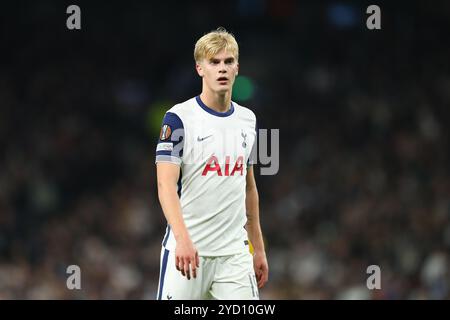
[[223, 67]]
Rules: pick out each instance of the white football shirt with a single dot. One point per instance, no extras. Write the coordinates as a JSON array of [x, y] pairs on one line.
[[213, 150]]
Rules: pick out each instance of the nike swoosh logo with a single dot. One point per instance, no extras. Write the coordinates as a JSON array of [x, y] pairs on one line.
[[204, 138]]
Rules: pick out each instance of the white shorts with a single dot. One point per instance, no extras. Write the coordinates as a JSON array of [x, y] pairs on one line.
[[222, 278]]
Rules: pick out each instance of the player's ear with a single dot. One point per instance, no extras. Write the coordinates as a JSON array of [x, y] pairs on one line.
[[237, 68], [199, 69]]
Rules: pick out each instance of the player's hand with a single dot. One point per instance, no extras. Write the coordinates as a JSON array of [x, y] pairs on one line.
[[261, 268], [186, 258]]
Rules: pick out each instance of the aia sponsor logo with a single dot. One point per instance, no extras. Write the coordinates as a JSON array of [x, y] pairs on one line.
[[213, 166]]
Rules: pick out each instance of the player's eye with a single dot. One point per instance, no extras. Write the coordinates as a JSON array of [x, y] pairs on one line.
[[229, 61]]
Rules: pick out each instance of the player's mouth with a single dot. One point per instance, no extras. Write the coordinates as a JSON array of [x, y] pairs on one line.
[[223, 80]]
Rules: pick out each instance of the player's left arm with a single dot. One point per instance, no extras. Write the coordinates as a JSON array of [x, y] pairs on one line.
[[254, 229]]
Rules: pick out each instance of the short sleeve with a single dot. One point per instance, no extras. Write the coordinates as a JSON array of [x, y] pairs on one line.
[[171, 140]]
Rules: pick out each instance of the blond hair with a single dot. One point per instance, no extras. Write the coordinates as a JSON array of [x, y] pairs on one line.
[[214, 42]]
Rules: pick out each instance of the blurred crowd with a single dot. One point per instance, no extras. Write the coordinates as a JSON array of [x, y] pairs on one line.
[[364, 175]]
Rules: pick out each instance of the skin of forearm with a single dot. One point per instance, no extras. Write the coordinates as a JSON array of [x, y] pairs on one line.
[[253, 226], [170, 203]]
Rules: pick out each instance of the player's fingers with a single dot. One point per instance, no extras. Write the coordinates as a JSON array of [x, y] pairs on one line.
[[177, 262], [263, 278], [194, 268], [258, 277], [197, 259], [181, 266], [261, 281], [258, 273], [186, 268]]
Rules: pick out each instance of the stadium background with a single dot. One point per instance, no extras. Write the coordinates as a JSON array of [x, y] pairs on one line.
[[364, 155]]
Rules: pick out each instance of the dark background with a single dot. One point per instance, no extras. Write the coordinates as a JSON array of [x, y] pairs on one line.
[[364, 149]]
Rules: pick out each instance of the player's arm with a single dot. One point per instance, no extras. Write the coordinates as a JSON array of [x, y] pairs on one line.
[[254, 229], [185, 252], [168, 160]]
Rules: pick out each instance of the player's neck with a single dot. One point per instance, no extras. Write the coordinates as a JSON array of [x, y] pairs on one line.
[[217, 101]]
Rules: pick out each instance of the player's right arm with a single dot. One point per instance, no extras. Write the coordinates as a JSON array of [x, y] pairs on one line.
[[169, 152], [186, 255]]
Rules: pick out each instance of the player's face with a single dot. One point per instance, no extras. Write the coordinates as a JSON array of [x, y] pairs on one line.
[[219, 71]]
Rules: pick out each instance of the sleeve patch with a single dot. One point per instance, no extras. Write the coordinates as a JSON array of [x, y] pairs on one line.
[[164, 146], [166, 132]]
